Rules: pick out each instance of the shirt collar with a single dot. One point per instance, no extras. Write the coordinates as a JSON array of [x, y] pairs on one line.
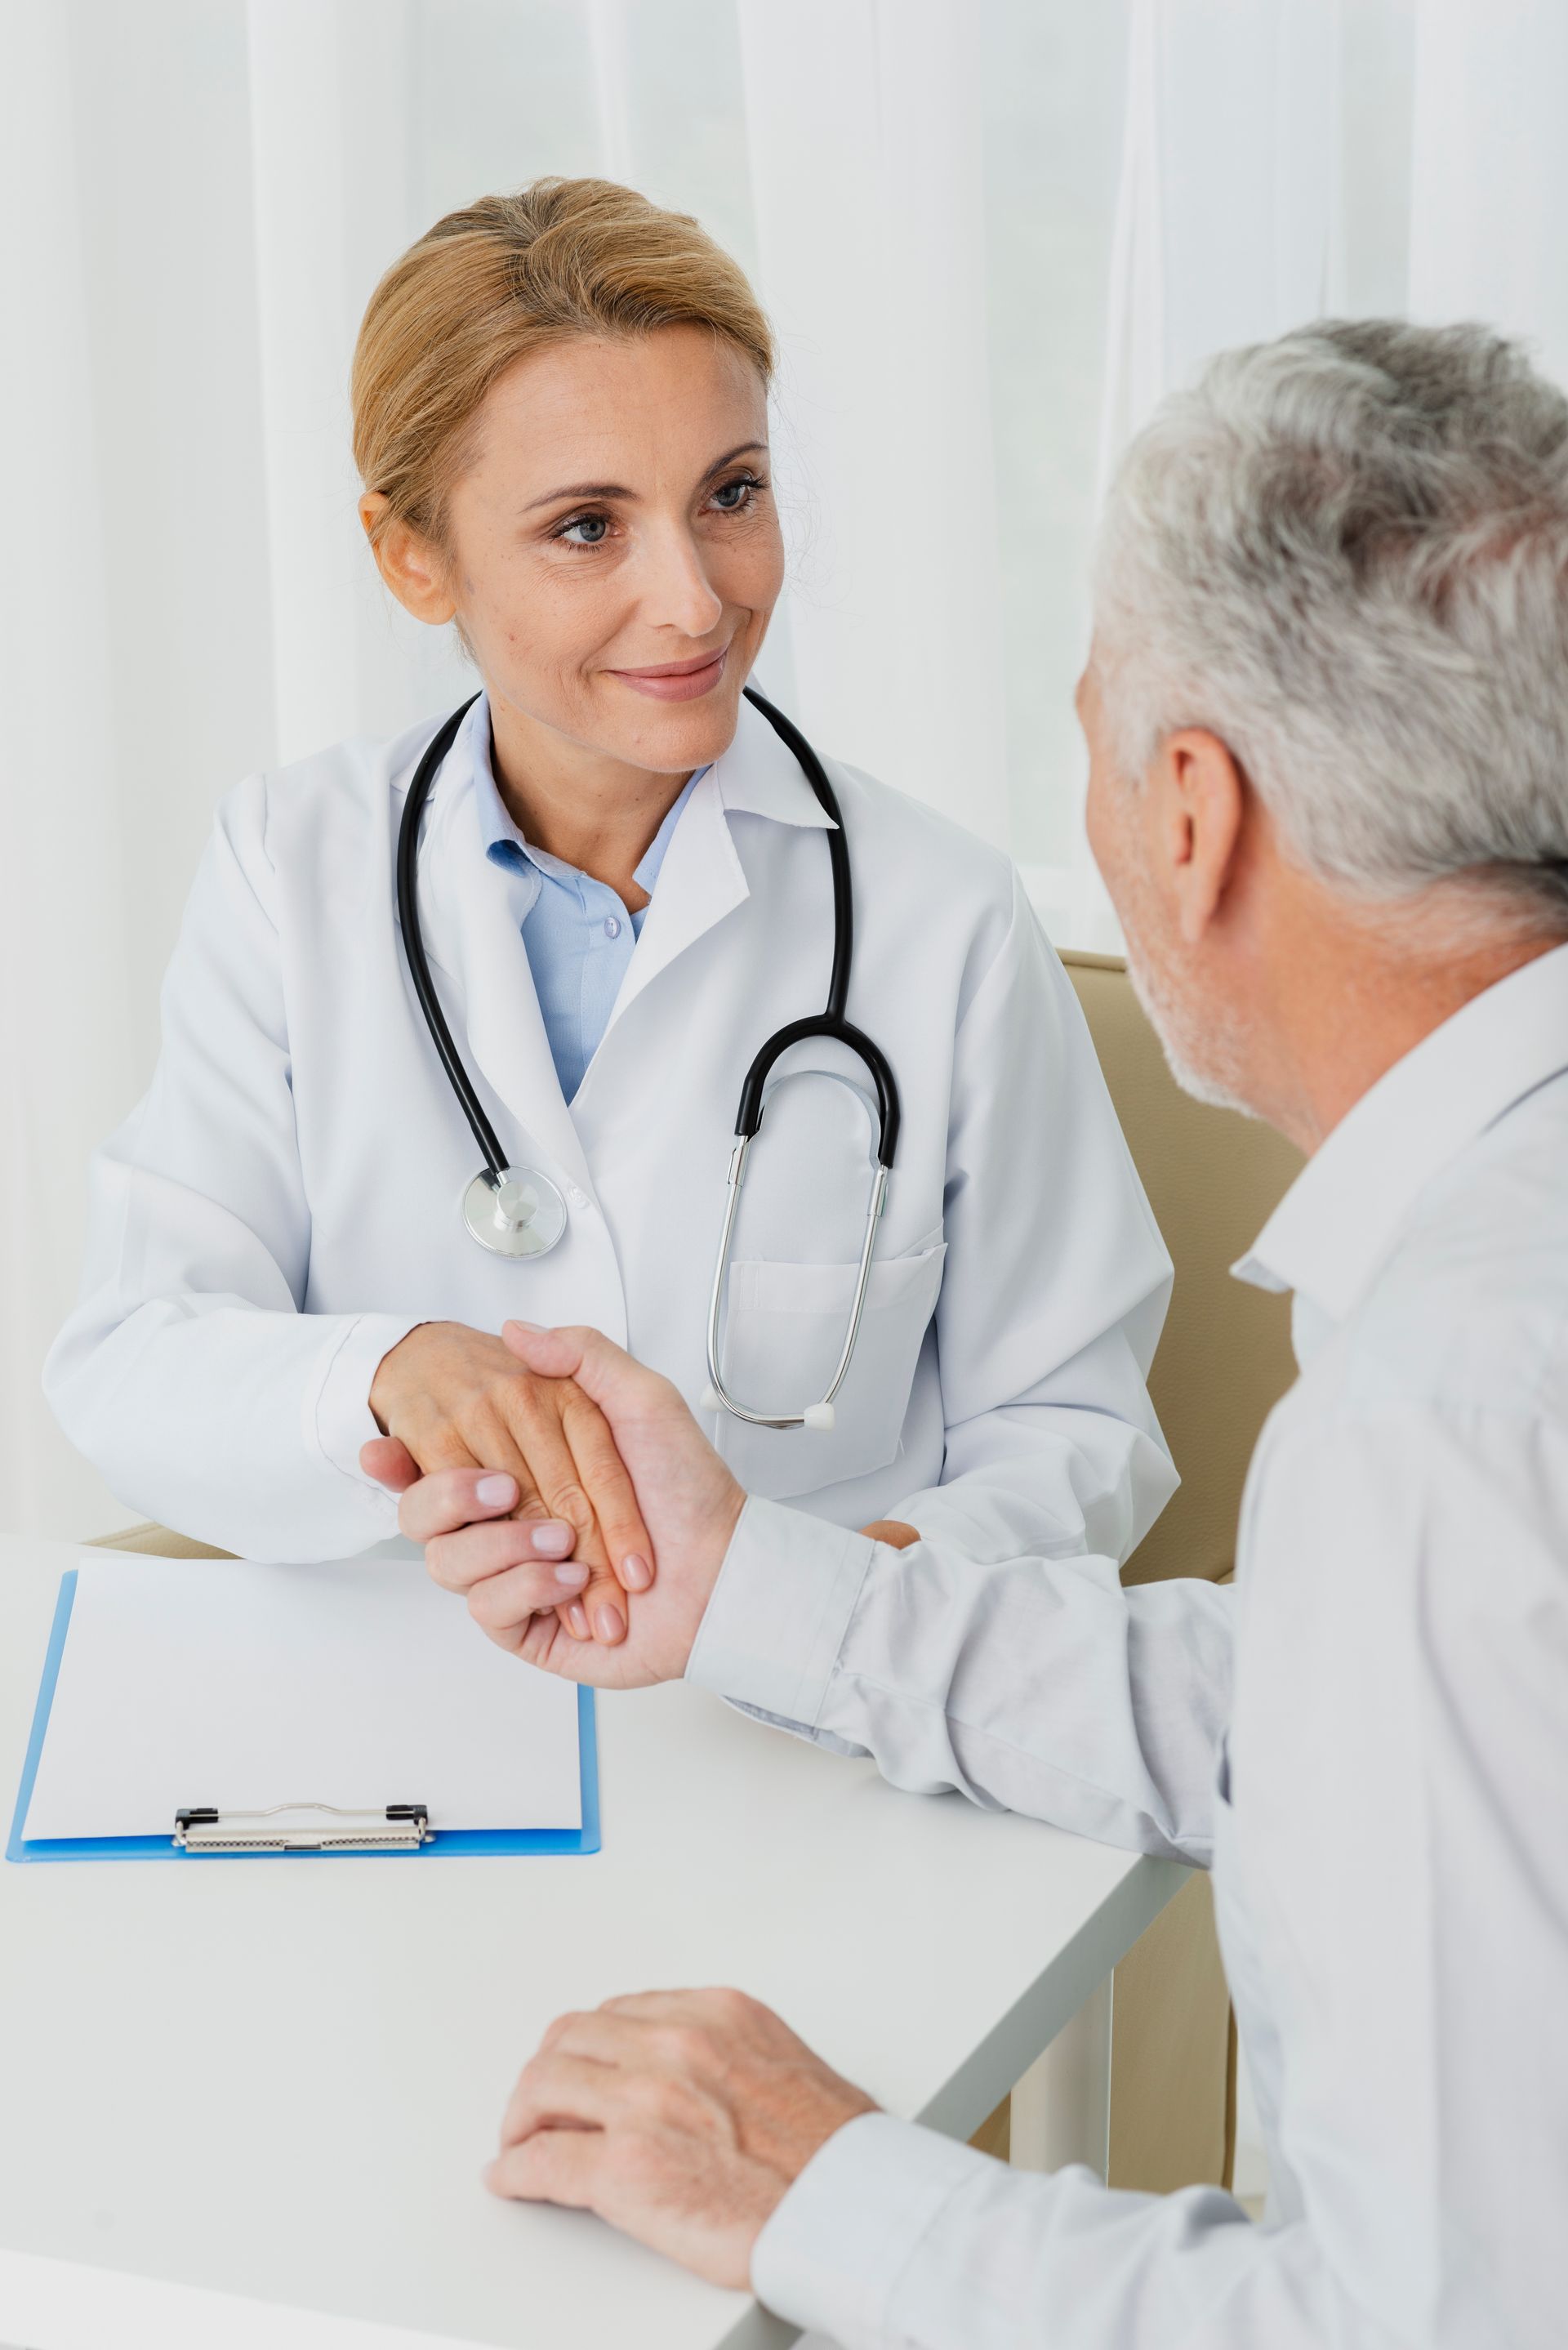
[[1342, 1214], [470, 751], [759, 775], [647, 873]]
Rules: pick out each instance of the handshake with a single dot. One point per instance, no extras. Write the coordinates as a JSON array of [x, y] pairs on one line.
[[563, 1488]]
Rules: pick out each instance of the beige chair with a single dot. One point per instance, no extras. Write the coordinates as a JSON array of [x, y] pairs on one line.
[[1224, 1359], [1211, 1178]]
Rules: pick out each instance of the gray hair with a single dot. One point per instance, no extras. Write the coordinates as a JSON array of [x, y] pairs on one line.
[[1347, 553]]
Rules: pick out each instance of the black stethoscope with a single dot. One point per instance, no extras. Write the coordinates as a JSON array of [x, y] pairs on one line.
[[518, 1211]]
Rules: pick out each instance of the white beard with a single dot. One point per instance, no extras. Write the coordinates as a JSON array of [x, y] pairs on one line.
[[1204, 1053]]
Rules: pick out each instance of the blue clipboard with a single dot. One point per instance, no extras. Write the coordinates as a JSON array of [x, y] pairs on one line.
[[163, 1847]]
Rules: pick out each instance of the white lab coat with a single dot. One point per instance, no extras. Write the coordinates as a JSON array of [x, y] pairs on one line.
[[283, 1206]]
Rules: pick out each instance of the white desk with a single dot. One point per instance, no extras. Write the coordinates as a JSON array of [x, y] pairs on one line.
[[277, 2080]]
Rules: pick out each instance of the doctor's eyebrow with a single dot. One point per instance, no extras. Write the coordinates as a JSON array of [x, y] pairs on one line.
[[615, 490]]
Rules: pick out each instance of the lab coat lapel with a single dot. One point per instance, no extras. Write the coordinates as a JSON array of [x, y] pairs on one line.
[[703, 879], [498, 1024]]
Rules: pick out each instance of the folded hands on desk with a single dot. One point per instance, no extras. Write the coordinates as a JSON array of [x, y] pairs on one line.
[[679, 2117]]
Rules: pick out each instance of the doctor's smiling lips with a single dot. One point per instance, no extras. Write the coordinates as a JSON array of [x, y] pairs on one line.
[[684, 681]]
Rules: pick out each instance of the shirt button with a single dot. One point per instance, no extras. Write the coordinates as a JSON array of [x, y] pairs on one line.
[[612, 925], [577, 1196]]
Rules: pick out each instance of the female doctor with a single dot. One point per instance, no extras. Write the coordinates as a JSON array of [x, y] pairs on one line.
[[621, 885]]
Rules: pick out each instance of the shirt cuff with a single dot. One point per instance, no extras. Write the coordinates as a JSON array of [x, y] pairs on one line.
[[337, 1415], [777, 1621], [832, 2253]]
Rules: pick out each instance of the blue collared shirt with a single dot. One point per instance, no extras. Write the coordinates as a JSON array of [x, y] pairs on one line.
[[578, 931]]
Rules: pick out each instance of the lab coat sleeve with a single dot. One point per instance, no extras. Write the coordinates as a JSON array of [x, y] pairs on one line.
[[189, 1374], [1055, 1287], [1032, 1684]]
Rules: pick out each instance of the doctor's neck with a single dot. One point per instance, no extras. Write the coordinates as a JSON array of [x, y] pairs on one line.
[[592, 809]]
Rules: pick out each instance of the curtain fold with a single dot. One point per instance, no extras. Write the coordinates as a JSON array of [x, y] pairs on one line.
[[64, 1038], [1227, 226], [868, 192], [1229, 218], [1490, 169]]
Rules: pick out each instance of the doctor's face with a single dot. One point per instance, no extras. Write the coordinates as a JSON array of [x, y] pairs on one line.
[[614, 551]]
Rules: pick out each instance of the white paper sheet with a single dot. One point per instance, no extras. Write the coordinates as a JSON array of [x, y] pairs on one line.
[[236, 1685]]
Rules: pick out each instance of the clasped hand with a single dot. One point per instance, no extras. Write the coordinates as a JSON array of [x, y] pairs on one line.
[[534, 1462], [459, 1408], [549, 1477]]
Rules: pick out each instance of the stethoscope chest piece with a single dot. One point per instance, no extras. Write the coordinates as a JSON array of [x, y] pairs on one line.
[[520, 1213]]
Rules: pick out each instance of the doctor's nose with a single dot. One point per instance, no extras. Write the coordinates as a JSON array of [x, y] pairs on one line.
[[676, 591]]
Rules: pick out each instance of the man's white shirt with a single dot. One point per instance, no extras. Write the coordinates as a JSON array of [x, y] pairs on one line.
[[1366, 1738]]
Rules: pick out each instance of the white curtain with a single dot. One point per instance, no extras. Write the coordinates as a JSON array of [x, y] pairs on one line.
[[990, 231], [869, 186], [1289, 159]]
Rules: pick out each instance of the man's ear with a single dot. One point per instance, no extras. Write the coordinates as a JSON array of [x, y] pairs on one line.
[[1201, 806], [411, 567]]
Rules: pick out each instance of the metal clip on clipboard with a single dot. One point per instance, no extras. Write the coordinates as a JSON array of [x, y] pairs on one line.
[[305, 1827]]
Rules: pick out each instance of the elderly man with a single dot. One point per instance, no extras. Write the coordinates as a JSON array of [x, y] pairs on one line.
[[1327, 713]]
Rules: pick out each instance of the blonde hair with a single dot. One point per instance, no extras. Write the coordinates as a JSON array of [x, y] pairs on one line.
[[507, 276]]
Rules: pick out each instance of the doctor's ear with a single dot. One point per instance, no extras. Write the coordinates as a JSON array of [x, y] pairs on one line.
[[412, 566], [1201, 800]]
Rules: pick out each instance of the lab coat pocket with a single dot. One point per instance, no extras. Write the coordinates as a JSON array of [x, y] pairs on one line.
[[783, 1336]]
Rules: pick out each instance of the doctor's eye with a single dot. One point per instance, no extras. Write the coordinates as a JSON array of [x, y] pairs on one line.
[[734, 496], [593, 526]]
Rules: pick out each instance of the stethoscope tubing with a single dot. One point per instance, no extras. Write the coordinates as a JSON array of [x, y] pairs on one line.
[[440, 742], [830, 1023]]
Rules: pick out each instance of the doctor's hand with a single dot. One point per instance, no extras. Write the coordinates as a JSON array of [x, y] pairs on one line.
[[690, 1502], [681, 2116], [450, 1398]]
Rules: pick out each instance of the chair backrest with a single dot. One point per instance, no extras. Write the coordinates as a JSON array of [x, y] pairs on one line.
[[1212, 1178], [157, 1542]]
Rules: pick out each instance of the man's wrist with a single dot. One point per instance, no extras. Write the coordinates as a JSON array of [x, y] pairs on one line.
[[728, 1522]]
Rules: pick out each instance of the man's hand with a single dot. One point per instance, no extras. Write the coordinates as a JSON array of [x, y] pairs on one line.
[[507, 1567], [894, 1532], [680, 2116], [447, 1396]]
